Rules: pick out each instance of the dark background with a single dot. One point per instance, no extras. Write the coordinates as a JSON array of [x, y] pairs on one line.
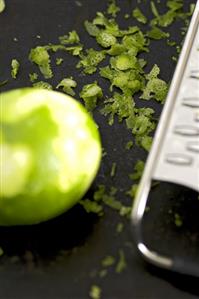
[[61, 258]]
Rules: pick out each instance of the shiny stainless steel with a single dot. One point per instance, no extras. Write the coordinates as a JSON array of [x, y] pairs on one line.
[[168, 143]]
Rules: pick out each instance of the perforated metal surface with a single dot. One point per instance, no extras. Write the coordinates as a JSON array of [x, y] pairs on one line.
[[178, 160]]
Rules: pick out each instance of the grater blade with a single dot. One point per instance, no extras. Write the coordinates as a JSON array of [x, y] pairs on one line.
[[178, 158]]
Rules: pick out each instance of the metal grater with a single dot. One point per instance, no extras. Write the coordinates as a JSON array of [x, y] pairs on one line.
[[174, 156], [178, 159]]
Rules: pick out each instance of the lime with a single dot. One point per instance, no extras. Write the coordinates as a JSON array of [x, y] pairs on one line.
[[50, 154]]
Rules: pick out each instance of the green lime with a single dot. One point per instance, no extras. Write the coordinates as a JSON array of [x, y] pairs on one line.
[[50, 154]]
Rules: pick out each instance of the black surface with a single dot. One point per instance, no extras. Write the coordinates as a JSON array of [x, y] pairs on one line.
[[172, 214], [58, 259]]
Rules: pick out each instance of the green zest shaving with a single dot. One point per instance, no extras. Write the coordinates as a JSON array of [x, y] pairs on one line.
[[71, 38], [105, 39], [113, 9], [92, 207], [103, 198], [136, 176], [129, 145], [15, 68], [178, 220], [155, 88], [33, 77], [138, 170], [59, 61], [121, 265], [75, 50], [157, 33], [108, 261], [91, 28], [133, 191], [138, 15], [90, 94], [90, 60], [67, 86], [40, 56], [95, 292], [113, 169]]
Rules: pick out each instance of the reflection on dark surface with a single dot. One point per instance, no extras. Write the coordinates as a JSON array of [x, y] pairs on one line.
[[186, 283], [47, 239], [171, 225]]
